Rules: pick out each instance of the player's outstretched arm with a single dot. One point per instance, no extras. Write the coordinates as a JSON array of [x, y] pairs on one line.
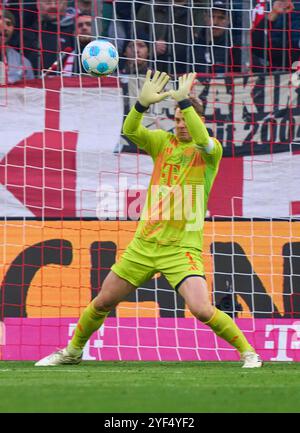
[[193, 121], [150, 141]]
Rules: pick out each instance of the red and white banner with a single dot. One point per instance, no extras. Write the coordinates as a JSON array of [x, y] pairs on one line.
[[53, 142], [62, 155]]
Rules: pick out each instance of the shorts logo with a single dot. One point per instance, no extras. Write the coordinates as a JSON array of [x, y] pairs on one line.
[[192, 262]]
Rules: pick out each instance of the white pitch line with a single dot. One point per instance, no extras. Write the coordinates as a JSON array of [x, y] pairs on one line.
[[79, 370], [41, 369]]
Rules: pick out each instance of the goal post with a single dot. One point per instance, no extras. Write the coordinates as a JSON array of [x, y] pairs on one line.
[[72, 187]]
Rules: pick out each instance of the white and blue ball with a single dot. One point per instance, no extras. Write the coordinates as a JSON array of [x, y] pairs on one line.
[[99, 58]]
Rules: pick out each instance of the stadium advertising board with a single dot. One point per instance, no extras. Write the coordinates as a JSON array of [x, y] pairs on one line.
[[51, 270]]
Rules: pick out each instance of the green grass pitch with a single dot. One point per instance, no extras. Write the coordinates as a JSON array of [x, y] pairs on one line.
[[177, 387]]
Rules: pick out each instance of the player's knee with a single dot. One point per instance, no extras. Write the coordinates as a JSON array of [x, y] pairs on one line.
[[203, 312], [104, 303]]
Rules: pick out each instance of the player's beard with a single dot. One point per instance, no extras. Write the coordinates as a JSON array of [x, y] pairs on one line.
[[184, 136]]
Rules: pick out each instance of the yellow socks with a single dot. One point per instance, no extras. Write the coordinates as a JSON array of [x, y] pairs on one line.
[[90, 320], [224, 327], [222, 324]]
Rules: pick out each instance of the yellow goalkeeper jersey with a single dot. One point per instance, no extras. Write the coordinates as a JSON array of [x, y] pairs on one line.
[[181, 181]]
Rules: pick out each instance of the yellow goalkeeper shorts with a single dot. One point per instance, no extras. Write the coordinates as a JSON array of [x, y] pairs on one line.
[[143, 259]]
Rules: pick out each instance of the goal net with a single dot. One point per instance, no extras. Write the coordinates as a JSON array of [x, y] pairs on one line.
[[72, 187]]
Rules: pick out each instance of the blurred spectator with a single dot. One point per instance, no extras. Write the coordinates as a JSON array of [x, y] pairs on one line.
[[107, 14], [124, 10], [84, 6], [217, 46], [51, 31], [15, 7], [25, 13], [171, 27], [136, 54], [84, 33], [18, 66], [120, 26], [275, 37]]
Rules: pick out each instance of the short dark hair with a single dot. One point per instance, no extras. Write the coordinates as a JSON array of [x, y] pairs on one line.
[[9, 15], [197, 104], [220, 4], [84, 13]]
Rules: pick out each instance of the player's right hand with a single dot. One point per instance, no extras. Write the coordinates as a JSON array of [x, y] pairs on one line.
[[150, 92]]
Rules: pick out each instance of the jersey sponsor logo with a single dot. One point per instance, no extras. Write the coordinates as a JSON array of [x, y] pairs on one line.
[[170, 173]]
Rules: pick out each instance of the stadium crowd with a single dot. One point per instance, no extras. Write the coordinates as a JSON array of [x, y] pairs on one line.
[[171, 36]]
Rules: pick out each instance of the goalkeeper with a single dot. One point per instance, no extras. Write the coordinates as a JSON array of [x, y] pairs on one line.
[[169, 235]]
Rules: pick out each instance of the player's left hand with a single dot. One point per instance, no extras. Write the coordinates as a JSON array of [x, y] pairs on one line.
[[185, 83], [150, 93]]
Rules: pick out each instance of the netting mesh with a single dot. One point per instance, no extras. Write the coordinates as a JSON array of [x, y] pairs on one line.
[[72, 186]]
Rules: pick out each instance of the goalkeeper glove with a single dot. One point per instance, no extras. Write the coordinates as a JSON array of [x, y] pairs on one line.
[[185, 83], [150, 93]]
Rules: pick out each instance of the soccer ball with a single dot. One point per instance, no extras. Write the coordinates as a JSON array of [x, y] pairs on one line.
[[100, 57]]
